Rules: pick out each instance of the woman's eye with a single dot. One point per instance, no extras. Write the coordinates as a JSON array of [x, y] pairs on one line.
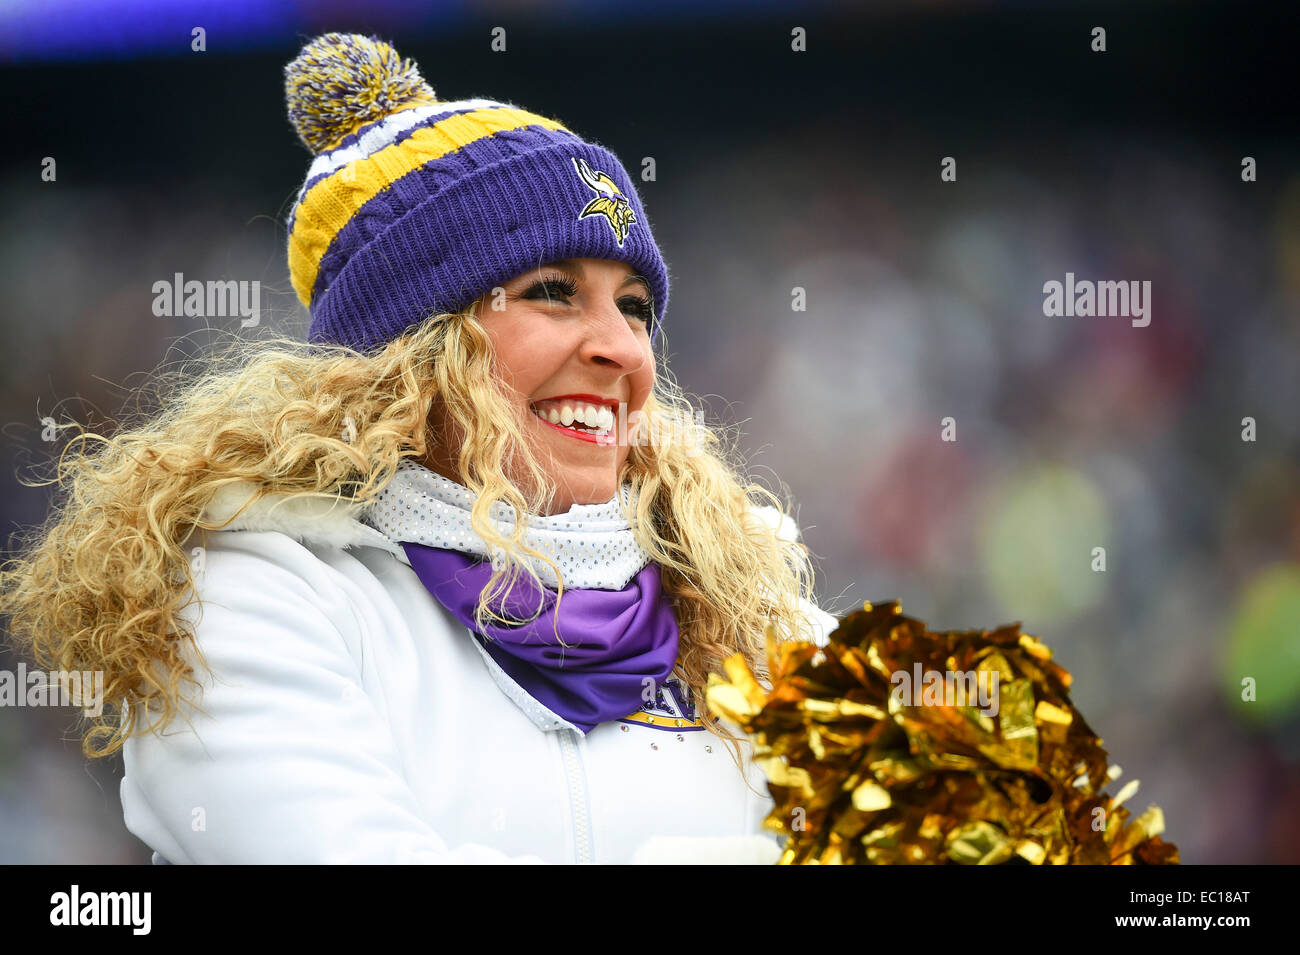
[[639, 308], [560, 288], [552, 288]]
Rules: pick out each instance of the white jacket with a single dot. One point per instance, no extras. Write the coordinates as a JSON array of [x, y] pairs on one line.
[[352, 719]]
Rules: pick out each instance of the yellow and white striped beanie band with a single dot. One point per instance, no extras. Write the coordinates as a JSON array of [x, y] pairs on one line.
[[414, 206]]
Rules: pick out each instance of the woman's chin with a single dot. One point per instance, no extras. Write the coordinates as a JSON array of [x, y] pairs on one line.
[[590, 490]]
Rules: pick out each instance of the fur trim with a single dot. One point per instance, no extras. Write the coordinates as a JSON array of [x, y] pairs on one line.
[[306, 519], [783, 524]]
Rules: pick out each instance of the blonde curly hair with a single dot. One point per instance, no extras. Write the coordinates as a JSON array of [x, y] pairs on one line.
[[101, 584]]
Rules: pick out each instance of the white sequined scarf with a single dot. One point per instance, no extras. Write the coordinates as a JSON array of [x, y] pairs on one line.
[[593, 544]]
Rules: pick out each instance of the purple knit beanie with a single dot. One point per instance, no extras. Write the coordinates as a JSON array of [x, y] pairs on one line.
[[414, 206]]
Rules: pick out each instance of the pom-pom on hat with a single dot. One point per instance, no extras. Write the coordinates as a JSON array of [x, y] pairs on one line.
[[415, 206]]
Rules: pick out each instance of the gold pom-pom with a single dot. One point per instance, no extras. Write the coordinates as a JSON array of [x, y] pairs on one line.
[[342, 81], [893, 744]]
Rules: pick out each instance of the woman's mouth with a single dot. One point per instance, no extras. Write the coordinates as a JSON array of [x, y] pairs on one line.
[[578, 419]]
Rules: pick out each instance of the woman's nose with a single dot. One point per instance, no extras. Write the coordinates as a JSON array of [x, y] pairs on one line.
[[613, 340]]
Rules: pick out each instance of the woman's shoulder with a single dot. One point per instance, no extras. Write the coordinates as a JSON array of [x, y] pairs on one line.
[[275, 553]]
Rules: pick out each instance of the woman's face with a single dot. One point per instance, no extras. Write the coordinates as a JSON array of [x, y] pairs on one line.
[[573, 334]]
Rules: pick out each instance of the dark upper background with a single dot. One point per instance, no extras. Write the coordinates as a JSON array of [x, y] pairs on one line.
[[779, 169]]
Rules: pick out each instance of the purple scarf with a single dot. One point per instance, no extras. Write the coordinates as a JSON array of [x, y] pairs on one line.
[[615, 638]]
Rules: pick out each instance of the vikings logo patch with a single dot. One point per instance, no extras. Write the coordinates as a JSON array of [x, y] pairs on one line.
[[672, 709], [609, 202]]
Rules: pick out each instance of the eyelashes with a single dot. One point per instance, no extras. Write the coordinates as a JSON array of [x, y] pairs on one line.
[[562, 286], [565, 285]]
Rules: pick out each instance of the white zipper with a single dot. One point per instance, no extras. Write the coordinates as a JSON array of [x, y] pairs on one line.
[[577, 796]]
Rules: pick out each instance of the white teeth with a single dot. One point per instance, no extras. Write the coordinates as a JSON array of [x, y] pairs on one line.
[[600, 419]]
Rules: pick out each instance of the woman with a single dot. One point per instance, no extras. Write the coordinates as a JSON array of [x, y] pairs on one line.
[[320, 538]]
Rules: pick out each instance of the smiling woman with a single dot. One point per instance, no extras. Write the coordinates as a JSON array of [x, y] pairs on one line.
[[436, 603], [572, 344]]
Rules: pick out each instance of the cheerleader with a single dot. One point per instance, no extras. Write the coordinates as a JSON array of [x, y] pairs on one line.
[[327, 633]]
